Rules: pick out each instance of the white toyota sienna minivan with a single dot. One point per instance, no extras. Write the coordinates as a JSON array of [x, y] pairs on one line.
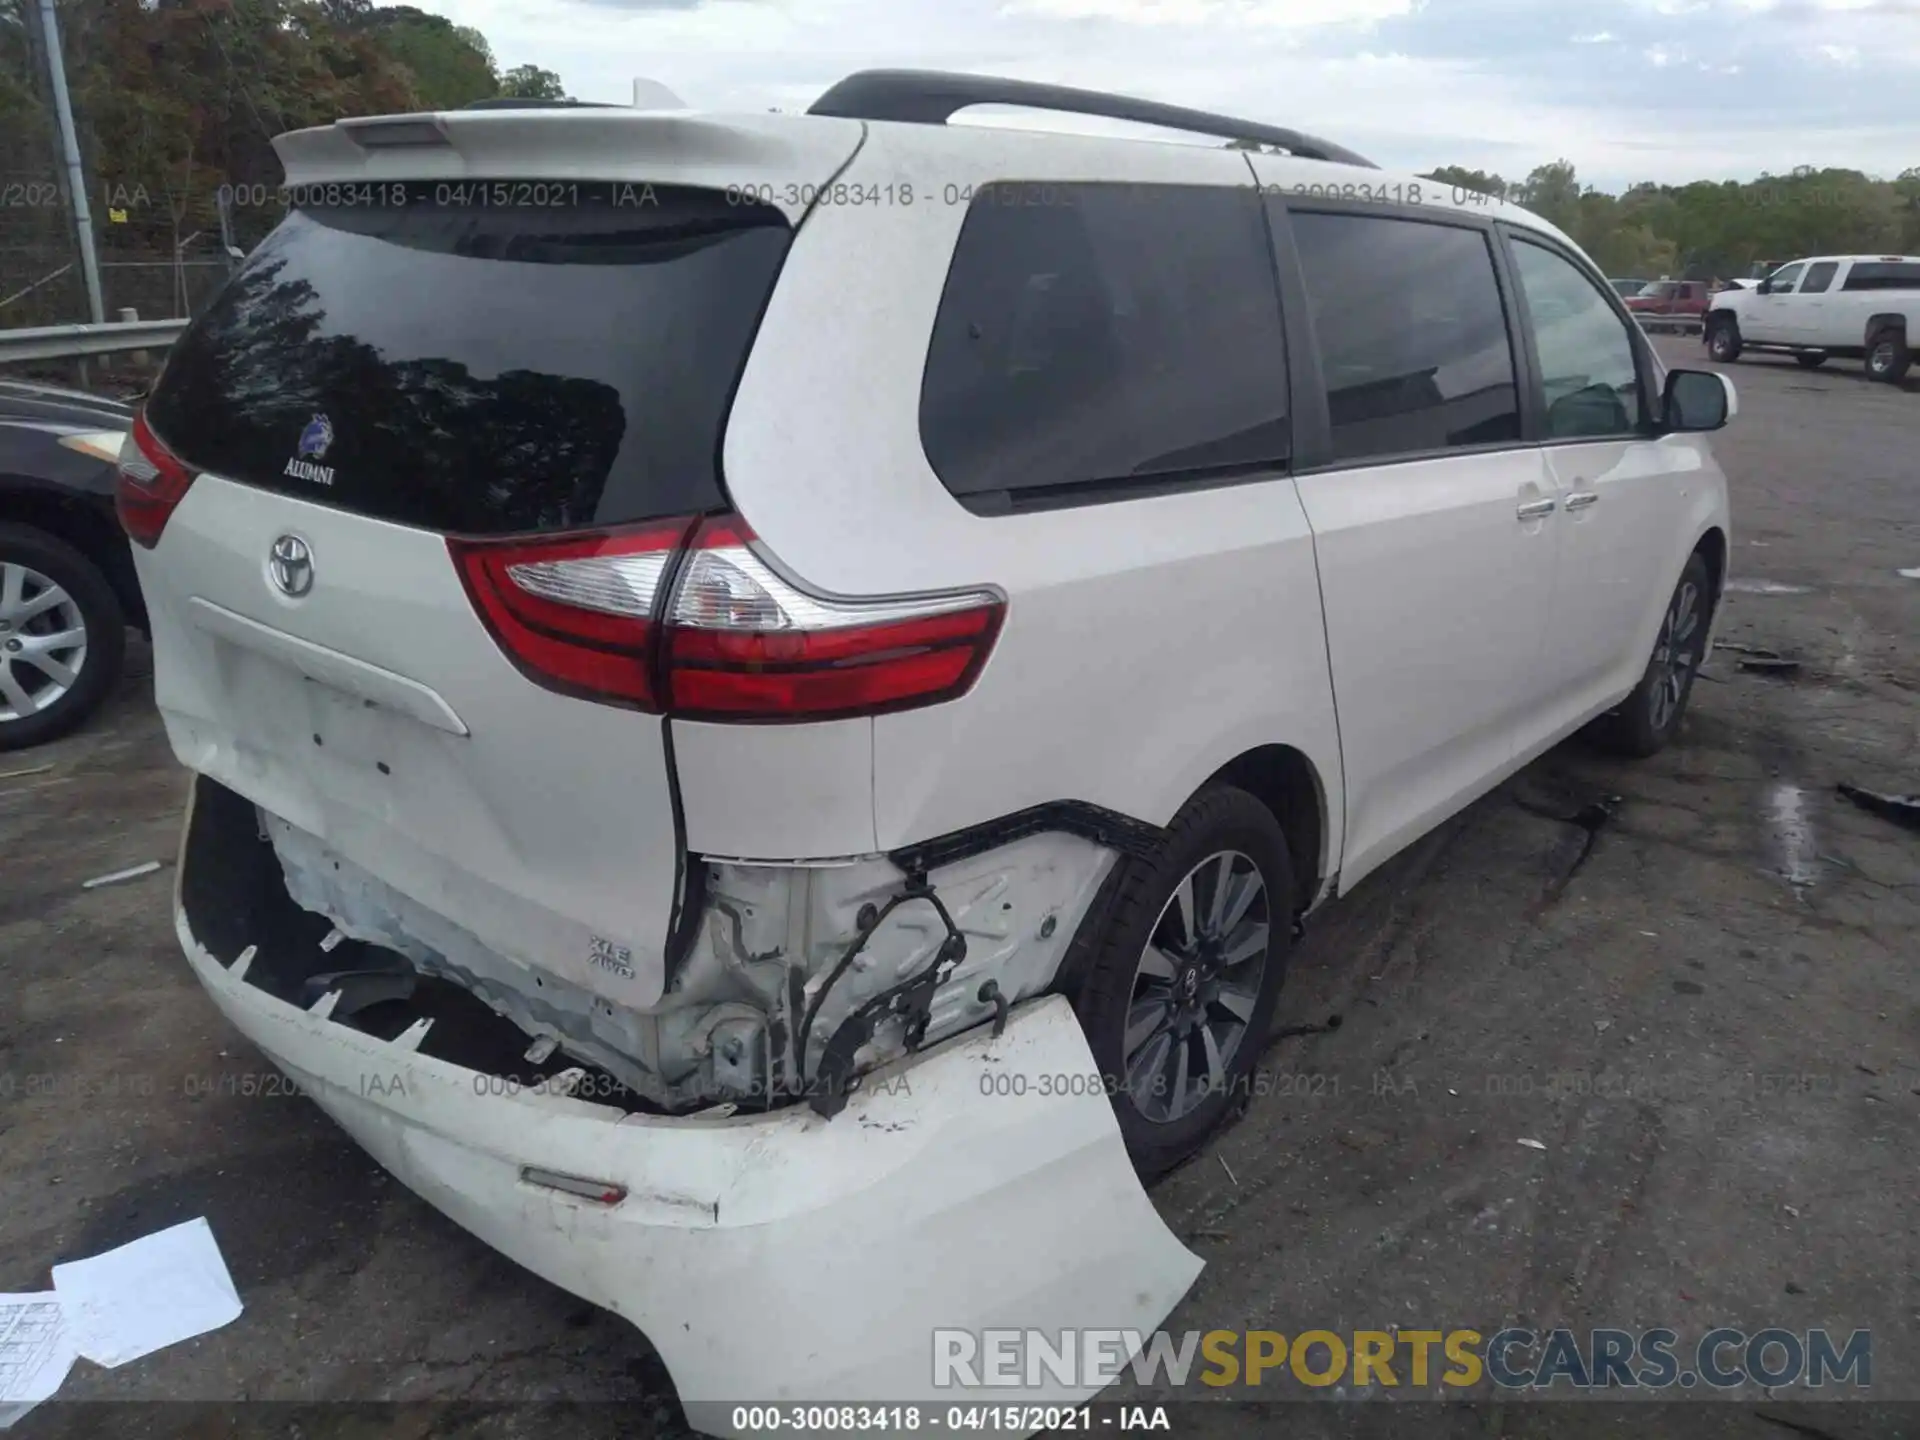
[[768, 693]]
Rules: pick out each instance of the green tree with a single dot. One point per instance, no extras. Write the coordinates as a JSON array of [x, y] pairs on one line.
[[1552, 192], [1906, 190], [530, 82], [450, 64], [175, 100], [346, 14]]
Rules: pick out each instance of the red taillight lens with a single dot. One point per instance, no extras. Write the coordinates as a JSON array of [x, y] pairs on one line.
[[588, 615], [577, 613], [149, 482], [745, 643]]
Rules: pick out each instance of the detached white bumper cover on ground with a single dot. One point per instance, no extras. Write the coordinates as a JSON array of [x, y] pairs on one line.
[[781, 1257]]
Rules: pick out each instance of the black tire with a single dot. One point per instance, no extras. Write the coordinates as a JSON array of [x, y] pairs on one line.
[[1723, 339], [1219, 820], [1888, 358], [1810, 359], [1643, 723], [100, 615]]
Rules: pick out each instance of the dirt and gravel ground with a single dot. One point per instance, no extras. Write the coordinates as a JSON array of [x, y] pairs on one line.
[[1706, 1011]]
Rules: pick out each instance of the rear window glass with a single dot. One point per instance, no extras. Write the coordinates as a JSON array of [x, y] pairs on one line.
[[483, 358], [1097, 338], [1883, 275], [1413, 337]]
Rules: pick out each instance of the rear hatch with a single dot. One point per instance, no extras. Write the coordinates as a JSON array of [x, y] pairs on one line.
[[475, 326]]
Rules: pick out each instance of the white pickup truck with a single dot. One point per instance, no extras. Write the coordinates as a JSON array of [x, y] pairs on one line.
[[1857, 305]]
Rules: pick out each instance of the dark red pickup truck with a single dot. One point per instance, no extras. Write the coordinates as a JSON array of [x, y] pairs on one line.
[[1671, 304]]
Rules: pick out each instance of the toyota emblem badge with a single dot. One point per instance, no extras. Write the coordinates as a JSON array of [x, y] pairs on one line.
[[290, 565]]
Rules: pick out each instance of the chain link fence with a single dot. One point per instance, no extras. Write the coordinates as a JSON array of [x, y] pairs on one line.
[[146, 264], [153, 258]]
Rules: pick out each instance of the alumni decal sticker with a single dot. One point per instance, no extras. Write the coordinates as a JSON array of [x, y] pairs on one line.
[[315, 441]]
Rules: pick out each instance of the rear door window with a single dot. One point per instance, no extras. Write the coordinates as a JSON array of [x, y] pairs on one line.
[[1883, 275], [1412, 334], [482, 358], [1094, 340]]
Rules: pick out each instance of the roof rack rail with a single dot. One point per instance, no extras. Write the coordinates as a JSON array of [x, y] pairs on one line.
[[511, 102], [932, 97]]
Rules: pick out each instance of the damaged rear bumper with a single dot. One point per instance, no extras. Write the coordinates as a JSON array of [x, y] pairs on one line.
[[777, 1257]]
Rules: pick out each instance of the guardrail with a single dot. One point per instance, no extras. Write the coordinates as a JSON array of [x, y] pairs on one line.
[[73, 342]]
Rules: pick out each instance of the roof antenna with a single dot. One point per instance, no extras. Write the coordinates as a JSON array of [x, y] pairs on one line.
[[652, 95]]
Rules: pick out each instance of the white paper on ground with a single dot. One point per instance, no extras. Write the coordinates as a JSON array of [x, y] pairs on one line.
[[36, 1351], [160, 1290]]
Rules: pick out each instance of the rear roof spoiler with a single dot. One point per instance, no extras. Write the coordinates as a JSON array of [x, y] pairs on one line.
[[584, 143]]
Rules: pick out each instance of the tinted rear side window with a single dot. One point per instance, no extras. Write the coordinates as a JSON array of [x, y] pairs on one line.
[[1097, 338], [1883, 275], [1413, 339], [462, 365]]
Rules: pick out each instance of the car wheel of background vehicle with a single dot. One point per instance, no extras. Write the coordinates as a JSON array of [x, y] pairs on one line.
[[1811, 359], [1179, 992], [1888, 358], [62, 637], [1643, 723], [1723, 341]]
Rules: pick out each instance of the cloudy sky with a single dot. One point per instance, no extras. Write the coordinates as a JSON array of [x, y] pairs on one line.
[[1627, 89]]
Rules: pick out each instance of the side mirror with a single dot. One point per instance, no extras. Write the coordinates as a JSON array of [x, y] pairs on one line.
[[1697, 400], [1765, 287]]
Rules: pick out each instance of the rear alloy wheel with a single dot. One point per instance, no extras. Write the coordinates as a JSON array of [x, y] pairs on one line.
[[1180, 989], [1810, 359], [62, 636], [1196, 986], [1723, 341], [1643, 723], [1888, 358]]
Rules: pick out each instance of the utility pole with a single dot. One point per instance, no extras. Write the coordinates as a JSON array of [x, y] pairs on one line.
[[70, 148]]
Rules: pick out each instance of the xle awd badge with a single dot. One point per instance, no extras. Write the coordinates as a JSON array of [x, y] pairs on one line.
[[290, 566], [603, 954], [313, 445]]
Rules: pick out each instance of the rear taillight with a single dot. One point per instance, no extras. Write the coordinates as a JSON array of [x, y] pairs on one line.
[[577, 613], [747, 644], [149, 481], [697, 623]]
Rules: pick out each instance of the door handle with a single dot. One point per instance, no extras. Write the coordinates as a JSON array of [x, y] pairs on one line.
[[1537, 509], [1580, 499]]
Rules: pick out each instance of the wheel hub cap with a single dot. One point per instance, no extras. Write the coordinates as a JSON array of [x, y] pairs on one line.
[[1196, 986], [46, 645], [1675, 655]]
